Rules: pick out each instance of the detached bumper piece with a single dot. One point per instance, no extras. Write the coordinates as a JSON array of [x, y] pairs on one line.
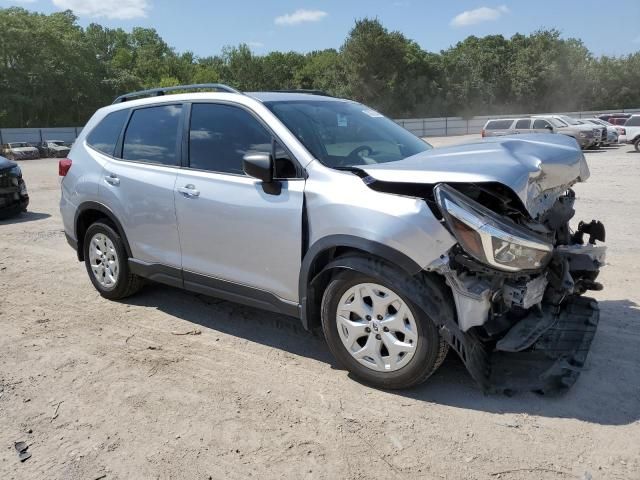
[[551, 357], [543, 353]]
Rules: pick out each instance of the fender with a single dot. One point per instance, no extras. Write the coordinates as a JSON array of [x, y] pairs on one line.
[[309, 269], [83, 207]]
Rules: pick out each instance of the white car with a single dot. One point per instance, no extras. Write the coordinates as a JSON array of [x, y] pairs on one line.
[[612, 132], [632, 128]]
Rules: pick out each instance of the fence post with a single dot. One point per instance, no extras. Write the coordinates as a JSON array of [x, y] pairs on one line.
[[467, 126], [446, 126], [1, 142]]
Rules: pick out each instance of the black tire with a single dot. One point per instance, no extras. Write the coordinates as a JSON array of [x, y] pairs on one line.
[[127, 283], [636, 144], [430, 353]]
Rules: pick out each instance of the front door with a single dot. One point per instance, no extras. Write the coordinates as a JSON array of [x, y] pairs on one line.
[[230, 228]]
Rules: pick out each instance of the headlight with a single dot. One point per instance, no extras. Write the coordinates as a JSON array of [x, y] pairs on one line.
[[491, 240], [582, 135], [16, 171]]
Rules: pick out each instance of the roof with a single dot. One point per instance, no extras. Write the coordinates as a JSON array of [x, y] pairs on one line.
[[291, 96]]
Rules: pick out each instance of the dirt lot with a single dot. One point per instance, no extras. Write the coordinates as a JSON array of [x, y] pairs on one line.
[[107, 390]]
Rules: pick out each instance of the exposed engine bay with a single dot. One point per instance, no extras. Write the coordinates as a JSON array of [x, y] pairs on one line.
[[521, 311]]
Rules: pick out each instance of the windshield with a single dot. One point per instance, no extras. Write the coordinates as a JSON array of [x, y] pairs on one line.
[[570, 121], [345, 134], [18, 145], [557, 122]]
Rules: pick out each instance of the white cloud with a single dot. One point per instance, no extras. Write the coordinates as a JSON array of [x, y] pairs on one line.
[[478, 15], [118, 9], [300, 16]]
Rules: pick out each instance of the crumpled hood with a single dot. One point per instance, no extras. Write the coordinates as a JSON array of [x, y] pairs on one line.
[[537, 167]]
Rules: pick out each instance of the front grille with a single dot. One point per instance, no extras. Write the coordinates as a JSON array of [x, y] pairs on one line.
[[5, 180]]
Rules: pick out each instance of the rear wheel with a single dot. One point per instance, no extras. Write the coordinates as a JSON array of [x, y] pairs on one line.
[[378, 334], [637, 144], [107, 263]]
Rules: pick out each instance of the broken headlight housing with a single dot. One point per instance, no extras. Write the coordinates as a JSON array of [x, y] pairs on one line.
[[488, 238]]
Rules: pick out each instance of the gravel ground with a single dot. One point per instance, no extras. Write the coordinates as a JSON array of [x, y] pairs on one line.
[[101, 389]]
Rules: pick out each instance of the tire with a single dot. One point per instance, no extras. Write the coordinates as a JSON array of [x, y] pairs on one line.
[[428, 354], [125, 283], [636, 144]]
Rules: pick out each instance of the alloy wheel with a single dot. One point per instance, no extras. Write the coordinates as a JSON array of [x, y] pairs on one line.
[[377, 327]]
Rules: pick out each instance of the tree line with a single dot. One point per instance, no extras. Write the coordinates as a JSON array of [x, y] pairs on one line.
[[53, 72]]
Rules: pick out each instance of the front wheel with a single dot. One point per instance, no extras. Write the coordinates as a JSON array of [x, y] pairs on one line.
[[377, 334], [636, 144]]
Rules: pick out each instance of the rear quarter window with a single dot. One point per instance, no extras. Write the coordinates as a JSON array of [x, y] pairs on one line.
[[523, 124], [498, 124], [104, 136]]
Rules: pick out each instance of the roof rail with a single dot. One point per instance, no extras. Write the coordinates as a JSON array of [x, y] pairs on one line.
[[158, 92], [308, 91]]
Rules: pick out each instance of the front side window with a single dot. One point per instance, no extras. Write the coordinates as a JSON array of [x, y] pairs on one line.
[[221, 135], [523, 124], [104, 136], [344, 134], [152, 135], [539, 123]]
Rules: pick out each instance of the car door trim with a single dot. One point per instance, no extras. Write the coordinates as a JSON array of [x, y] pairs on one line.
[[214, 287]]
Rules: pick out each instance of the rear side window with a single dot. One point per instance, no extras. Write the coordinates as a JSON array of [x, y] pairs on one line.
[[220, 135], [105, 135], [524, 123], [498, 124], [152, 135], [633, 122]]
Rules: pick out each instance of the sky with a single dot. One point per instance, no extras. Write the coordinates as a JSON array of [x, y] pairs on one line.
[[204, 27]]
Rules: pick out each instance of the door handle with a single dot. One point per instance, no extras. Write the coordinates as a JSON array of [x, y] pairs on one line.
[[189, 190], [112, 179]]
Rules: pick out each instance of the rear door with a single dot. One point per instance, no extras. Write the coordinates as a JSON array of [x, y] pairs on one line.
[[523, 125], [232, 232], [138, 185]]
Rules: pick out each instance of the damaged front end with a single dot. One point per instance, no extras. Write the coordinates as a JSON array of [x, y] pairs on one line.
[[518, 282]]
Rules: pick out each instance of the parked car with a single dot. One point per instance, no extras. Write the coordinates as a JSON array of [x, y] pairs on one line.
[[13, 190], [599, 132], [632, 128], [20, 151], [324, 209], [54, 149], [608, 117], [610, 132], [583, 134]]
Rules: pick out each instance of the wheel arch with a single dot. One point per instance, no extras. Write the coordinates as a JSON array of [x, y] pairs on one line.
[[87, 214], [323, 258]]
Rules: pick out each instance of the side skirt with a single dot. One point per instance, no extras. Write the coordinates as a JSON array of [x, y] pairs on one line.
[[214, 287]]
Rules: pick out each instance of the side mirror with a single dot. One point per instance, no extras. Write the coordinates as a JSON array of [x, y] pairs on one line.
[[258, 165], [261, 166], [549, 127]]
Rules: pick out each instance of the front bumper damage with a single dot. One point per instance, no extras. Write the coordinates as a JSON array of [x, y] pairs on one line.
[[527, 331]]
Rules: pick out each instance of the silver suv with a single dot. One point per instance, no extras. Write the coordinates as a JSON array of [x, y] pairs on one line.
[[583, 134], [325, 210]]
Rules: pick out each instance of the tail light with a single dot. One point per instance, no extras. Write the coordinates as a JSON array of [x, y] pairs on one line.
[[63, 167], [482, 133], [623, 131]]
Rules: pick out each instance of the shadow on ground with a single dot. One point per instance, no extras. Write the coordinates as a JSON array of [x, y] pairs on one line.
[[607, 392], [24, 217]]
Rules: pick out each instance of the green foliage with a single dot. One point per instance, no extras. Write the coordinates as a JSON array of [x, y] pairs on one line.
[[54, 73]]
